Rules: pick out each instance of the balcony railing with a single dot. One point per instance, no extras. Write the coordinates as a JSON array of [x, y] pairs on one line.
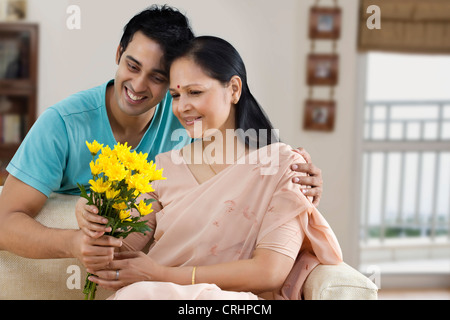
[[406, 172], [407, 121]]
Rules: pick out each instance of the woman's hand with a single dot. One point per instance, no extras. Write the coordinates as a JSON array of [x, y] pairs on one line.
[[89, 221], [256, 274], [127, 268], [313, 179]]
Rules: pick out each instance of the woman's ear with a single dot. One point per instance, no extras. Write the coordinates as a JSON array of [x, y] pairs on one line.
[[119, 54], [236, 89]]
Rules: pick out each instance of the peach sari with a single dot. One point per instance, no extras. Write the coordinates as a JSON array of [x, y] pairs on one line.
[[225, 218]]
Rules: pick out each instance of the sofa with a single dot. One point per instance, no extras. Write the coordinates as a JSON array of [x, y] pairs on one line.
[[63, 279]]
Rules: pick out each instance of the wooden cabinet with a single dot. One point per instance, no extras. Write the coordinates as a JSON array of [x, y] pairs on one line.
[[18, 87]]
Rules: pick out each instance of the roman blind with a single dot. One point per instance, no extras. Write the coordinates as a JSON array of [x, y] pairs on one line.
[[409, 26]]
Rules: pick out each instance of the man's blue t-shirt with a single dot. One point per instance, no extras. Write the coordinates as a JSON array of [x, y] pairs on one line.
[[53, 156]]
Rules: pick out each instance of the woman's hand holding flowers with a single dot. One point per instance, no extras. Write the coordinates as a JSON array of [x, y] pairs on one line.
[[127, 268]]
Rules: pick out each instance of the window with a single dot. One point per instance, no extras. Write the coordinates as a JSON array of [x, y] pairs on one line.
[[405, 155]]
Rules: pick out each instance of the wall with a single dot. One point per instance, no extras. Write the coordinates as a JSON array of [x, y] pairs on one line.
[[273, 40]]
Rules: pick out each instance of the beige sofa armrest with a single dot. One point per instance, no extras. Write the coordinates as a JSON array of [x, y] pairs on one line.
[[44, 279], [338, 282]]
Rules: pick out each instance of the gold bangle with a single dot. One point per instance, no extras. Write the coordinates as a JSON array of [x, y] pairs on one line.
[[193, 275]]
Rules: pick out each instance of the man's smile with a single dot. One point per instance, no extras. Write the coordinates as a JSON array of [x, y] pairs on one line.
[[133, 98]]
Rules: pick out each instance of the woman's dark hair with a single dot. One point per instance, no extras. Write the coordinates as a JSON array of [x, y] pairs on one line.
[[163, 24], [221, 61]]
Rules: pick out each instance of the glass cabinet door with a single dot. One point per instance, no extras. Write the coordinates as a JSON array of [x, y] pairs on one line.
[[18, 86], [17, 52]]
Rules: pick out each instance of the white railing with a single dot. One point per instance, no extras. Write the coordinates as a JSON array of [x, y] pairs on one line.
[[406, 171], [407, 121]]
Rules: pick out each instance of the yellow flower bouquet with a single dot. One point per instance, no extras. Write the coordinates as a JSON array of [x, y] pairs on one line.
[[119, 177]]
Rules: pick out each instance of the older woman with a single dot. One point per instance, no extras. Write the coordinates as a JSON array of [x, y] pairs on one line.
[[228, 222]]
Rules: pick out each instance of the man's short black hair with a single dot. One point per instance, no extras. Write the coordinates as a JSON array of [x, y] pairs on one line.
[[163, 24]]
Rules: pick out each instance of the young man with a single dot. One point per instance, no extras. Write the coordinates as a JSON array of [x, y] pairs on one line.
[[134, 108]]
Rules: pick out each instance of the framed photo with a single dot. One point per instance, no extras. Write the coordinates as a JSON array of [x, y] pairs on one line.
[[325, 23], [13, 10], [322, 69], [319, 115]]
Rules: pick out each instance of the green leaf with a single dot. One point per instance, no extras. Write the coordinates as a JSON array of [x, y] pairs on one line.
[[128, 227], [83, 194], [148, 201]]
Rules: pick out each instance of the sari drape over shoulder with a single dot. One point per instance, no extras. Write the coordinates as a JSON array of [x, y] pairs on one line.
[[225, 218]]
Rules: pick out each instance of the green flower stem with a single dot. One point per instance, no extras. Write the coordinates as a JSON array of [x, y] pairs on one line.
[[89, 288]]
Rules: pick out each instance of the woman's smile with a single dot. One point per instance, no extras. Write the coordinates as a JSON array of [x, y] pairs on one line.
[[189, 121]]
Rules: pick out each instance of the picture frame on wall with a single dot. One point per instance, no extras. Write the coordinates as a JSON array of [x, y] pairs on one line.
[[322, 69], [13, 10], [325, 23], [319, 115]]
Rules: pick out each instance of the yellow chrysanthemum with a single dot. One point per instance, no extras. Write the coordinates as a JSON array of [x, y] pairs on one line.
[[99, 185], [130, 160], [119, 206], [94, 147], [106, 152], [96, 169], [140, 182], [121, 149], [115, 172], [144, 209], [157, 175], [124, 215], [105, 162], [140, 162], [149, 169], [111, 194], [142, 156]]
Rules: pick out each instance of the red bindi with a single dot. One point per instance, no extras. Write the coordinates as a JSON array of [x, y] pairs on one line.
[[178, 87]]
